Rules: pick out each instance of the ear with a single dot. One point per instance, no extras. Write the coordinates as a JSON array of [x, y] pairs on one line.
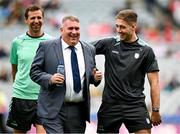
[[134, 25], [61, 29], [25, 20], [42, 20]]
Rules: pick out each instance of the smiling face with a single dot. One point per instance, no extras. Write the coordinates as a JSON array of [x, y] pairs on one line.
[[126, 31], [70, 32], [126, 23], [34, 21]]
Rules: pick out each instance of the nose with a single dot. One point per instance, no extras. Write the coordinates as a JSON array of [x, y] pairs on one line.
[[74, 31], [36, 20]]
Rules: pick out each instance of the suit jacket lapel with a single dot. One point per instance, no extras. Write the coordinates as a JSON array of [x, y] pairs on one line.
[[86, 55], [58, 51]]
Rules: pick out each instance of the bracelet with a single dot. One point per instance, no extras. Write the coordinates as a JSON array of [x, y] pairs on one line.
[[155, 109]]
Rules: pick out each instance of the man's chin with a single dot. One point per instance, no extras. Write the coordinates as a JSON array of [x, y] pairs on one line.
[[122, 38], [36, 30], [74, 42]]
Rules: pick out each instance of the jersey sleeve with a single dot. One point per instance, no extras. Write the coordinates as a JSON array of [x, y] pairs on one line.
[[151, 63], [13, 52], [101, 45]]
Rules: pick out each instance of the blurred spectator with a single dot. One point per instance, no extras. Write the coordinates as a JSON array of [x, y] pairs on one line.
[[102, 29], [168, 32], [3, 109], [5, 3], [4, 74], [26, 3], [152, 33], [55, 21], [15, 12], [3, 103], [150, 4], [3, 52], [174, 7], [177, 37], [173, 84], [128, 4], [4, 11], [50, 4]]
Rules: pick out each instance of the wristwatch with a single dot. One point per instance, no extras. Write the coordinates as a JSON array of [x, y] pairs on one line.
[[155, 109]]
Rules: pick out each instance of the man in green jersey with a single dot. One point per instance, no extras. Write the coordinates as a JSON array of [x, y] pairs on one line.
[[23, 107]]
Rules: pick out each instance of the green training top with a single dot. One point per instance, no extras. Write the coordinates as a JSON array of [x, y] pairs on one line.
[[22, 54]]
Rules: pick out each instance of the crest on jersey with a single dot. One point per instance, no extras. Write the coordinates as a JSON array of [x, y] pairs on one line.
[[136, 55], [147, 120]]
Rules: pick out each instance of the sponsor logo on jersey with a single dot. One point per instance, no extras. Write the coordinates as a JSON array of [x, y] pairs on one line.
[[115, 52], [136, 55]]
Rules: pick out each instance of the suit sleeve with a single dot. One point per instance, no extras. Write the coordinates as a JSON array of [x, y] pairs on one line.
[[37, 72], [92, 80]]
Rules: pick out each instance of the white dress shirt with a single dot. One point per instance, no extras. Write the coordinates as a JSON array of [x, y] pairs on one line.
[[71, 95]]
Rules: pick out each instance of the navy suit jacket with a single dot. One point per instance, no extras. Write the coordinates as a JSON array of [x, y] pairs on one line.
[[51, 97]]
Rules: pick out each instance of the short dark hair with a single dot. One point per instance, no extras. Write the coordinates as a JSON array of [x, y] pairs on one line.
[[128, 15], [33, 8]]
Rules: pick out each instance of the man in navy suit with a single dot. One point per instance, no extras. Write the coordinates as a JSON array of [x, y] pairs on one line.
[[61, 108]]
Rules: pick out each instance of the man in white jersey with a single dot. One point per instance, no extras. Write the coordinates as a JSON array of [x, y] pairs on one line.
[[23, 107]]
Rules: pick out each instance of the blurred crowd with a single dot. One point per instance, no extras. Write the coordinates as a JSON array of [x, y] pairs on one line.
[[12, 10], [159, 26]]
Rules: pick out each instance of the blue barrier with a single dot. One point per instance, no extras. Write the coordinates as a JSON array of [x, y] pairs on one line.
[[166, 119]]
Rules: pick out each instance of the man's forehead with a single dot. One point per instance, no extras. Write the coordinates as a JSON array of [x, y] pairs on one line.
[[71, 23], [37, 12]]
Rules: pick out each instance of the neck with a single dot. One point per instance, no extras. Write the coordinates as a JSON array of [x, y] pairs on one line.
[[134, 38], [35, 34]]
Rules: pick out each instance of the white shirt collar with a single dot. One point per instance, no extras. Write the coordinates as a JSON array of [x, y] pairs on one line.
[[65, 45]]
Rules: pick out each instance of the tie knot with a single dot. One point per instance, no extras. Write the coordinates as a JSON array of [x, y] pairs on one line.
[[72, 47]]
